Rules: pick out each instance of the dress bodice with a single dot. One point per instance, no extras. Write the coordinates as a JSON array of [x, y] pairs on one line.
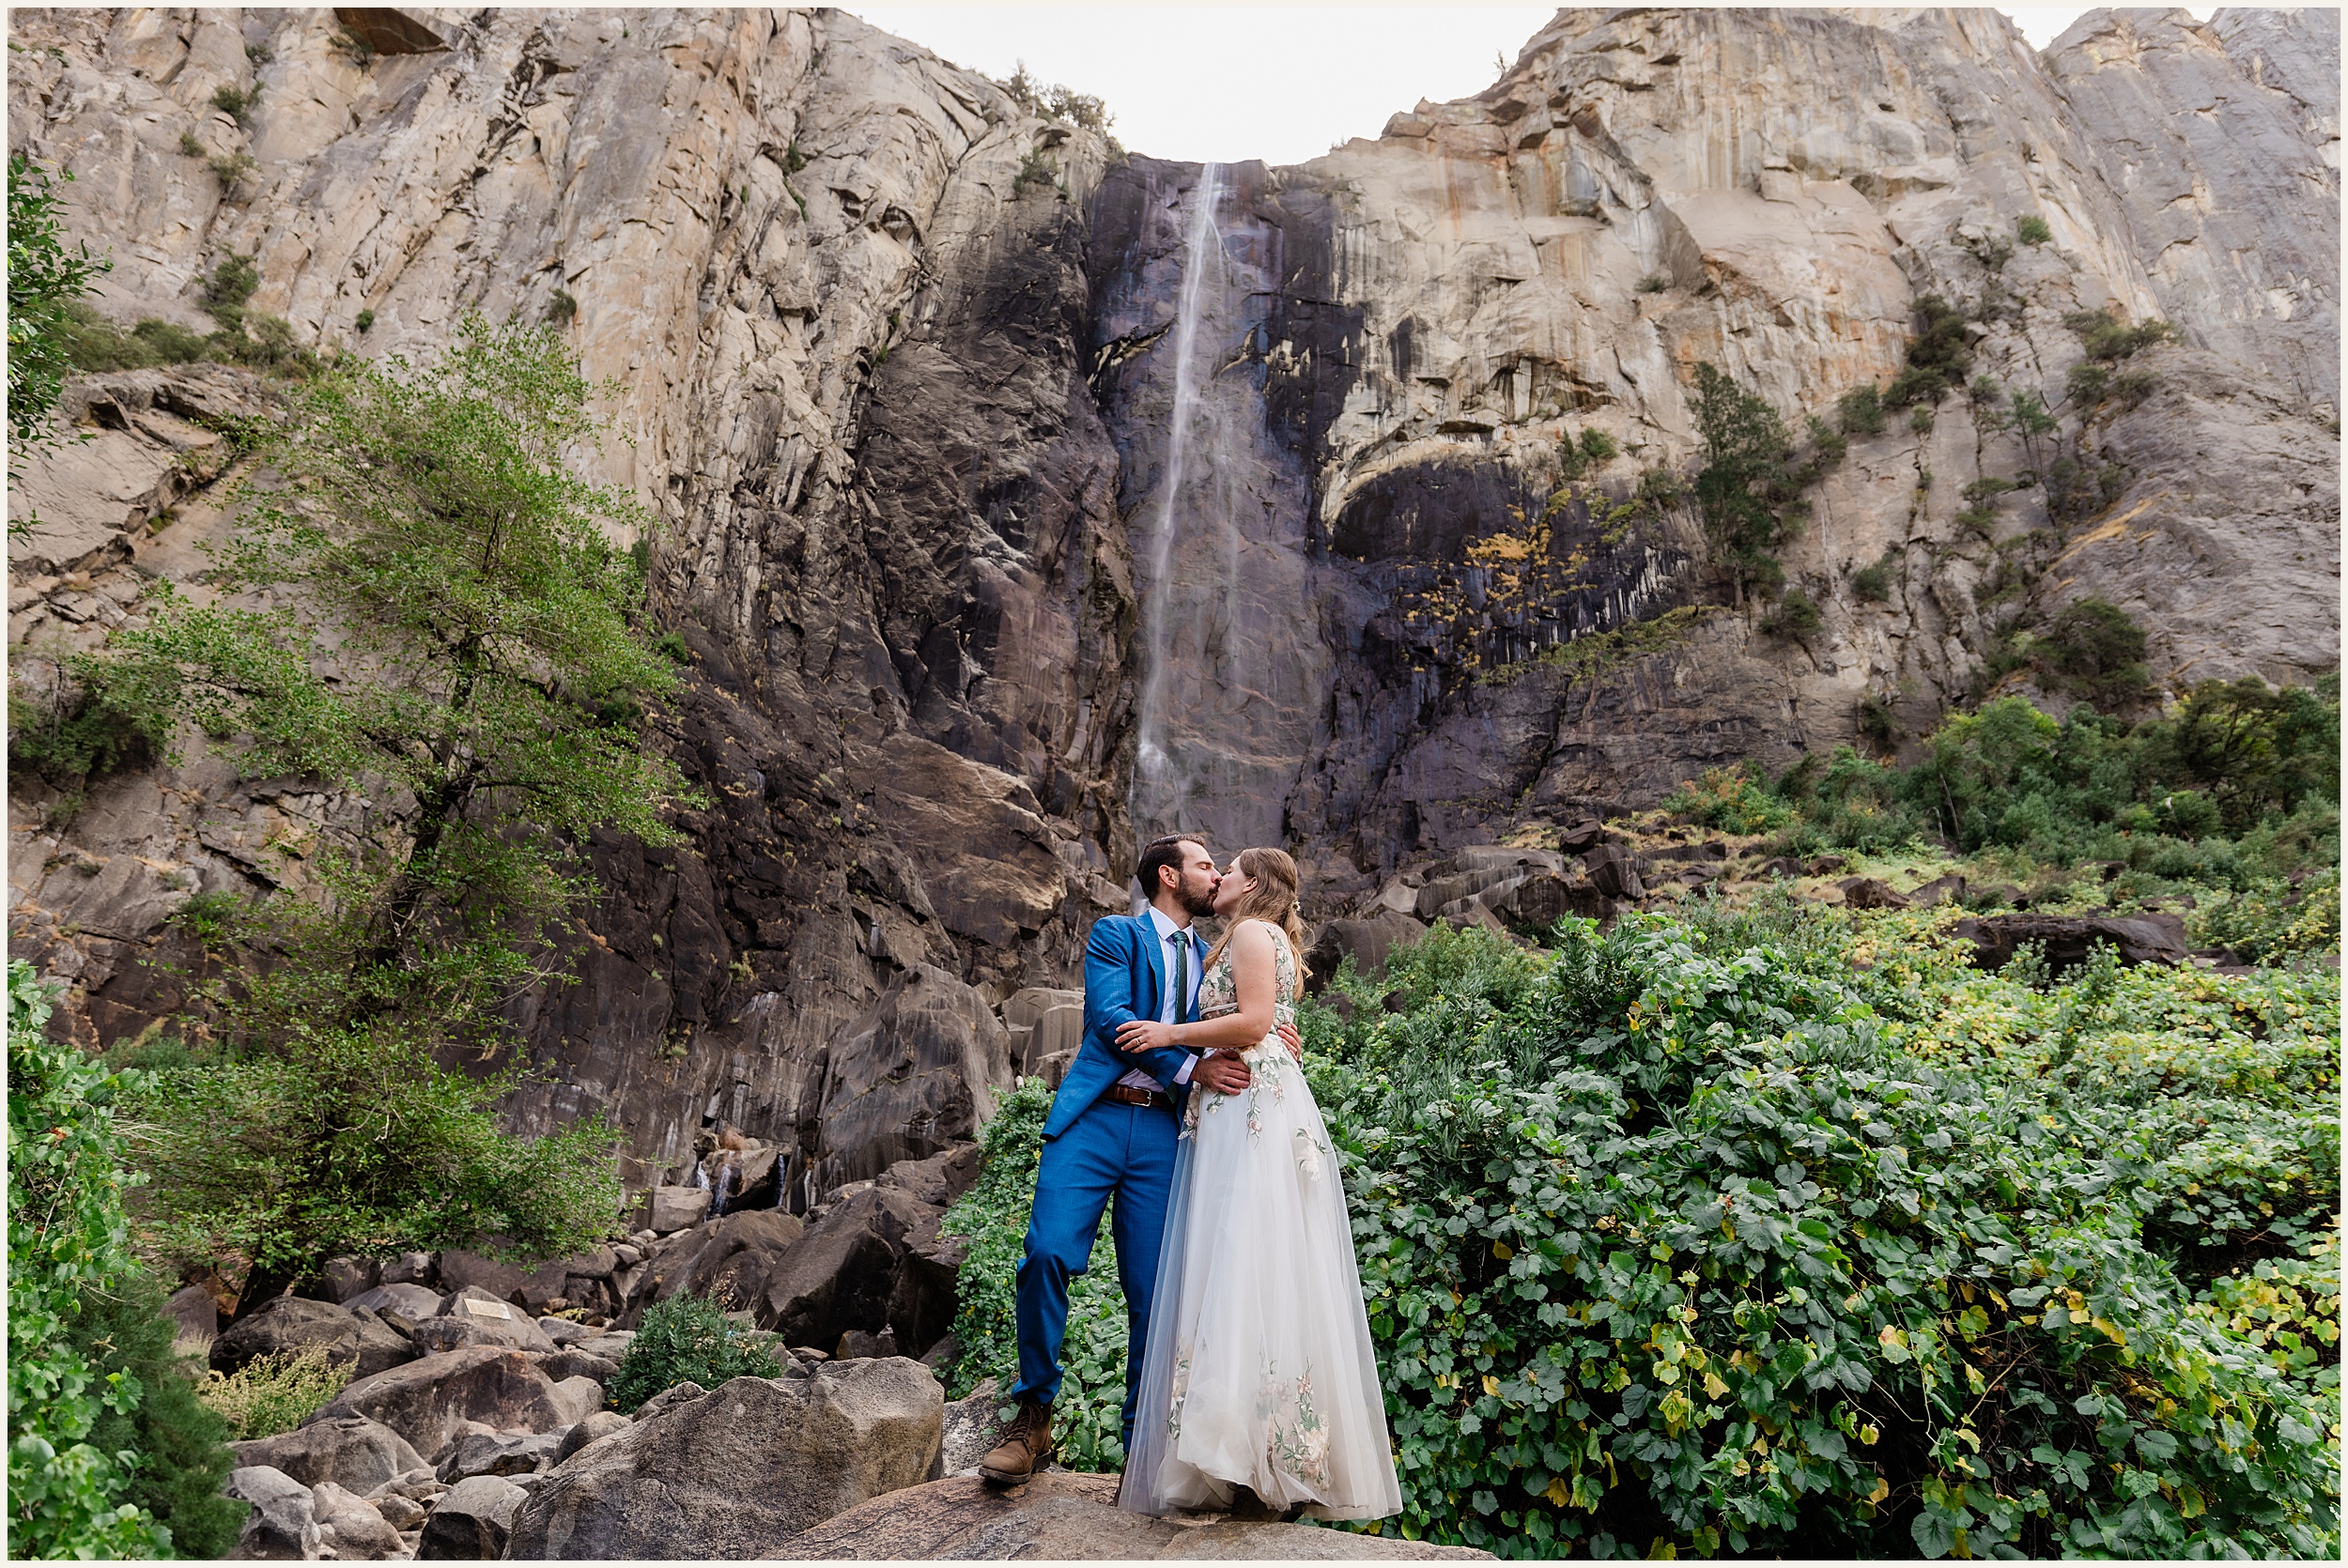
[[1218, 988]]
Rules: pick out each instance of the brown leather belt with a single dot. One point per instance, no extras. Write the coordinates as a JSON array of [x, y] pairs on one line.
[[1125, 1094]]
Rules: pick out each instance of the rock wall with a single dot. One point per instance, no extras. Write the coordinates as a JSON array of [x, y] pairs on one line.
[[907, 415]]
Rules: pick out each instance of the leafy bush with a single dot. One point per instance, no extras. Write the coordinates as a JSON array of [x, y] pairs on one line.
[[1939, 356], [1722, 1264], [1796, 616], [1748, 487], [1593, 449], [1652, 285], [2270, 920], [2097, 650], [2032, 231], [1872, 582], [685, 1339], [68, 1245], [234, 280], [1731, 799], [269, 1395], [238, 103], [1035, 170], [1086, 1418], [1860, 411]]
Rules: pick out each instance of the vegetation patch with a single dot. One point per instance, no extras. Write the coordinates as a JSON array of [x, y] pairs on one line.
[[1590, 655], [686, 1339], [269, 1395]]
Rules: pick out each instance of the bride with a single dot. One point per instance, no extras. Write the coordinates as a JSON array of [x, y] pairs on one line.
[[1261, 1374]]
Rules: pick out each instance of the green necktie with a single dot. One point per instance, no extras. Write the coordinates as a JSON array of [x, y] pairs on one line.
[[1182, 975]]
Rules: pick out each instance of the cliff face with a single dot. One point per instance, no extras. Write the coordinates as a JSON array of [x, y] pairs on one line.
[[1007, 517]]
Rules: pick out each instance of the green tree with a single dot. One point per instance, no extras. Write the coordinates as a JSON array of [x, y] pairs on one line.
[[423, 531], [45, 279], [182, 1446], [68, 1244], [1745, 489]]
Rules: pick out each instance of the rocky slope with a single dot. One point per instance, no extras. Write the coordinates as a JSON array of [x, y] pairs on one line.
[[1007, 516]]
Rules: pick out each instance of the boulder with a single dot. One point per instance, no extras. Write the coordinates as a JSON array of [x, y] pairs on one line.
[[361, 1531], [350, 1451], [346, 1277], [971, 1425], [571, 1362], [1784, 865], [472, 1520], [292, 1323], [587, 1429], [1940, 890], [677, 1209], [927, 1292], [573, 1281], [197, 1314], [1366, 941], [473, 1316], [1542, 899], [730, 1260], [500, 1454], [1064, 1515], [842, 1273], [499, 1280], [611, 1343], [1614, 872], [941, 1179], [399, 1511], [1580, 833], [283, 1523], [411, 1301], [738, 1472], [1507, 859], [428, 1401], [1869, 892], [423, 1269], [563, 1331], [2071, 939]]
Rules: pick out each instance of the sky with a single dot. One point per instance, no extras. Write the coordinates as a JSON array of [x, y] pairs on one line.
[[1218, 82]]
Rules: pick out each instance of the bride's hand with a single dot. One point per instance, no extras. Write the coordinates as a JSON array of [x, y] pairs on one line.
[[1294, 1042], [1145, 1034]]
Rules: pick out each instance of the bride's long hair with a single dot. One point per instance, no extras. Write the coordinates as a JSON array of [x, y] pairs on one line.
[[1273, 899]]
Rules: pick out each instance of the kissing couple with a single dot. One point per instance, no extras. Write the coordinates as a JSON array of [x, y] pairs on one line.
[[1249, 1367]]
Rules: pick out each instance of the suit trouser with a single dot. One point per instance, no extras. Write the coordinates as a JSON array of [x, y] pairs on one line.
[[1126, 1152]]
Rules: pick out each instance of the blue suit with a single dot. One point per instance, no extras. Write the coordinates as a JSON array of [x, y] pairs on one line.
[[1096, 1149]]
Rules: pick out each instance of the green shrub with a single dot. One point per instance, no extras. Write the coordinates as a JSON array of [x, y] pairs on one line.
[[1939, 356], [230, 169], [1593, 449], [238, 103], [1086, 1418], [76, 734], [1731, 799], [1796, 616], [182, 1443], [189, 146], [1652, 285], [1035, 169], [2032, 231], [363, 320], [68, 1246], [1872, 582], [1860, 411], [2095, 648], [685, 1339], [269, 1395], [2271, 921], [1726, 1266]]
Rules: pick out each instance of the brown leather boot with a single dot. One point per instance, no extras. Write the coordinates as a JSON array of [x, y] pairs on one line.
[[1026, 1448]]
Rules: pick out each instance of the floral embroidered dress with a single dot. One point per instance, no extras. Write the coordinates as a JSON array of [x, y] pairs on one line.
[[1260, 1370]]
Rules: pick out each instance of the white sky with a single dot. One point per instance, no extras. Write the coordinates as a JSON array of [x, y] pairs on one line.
[[1222, 81]]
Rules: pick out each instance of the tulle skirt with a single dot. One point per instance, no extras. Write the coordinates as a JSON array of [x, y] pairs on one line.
[[1260, 1371]]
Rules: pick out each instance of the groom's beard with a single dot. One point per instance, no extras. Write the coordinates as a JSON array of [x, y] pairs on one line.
[[1200, 901]]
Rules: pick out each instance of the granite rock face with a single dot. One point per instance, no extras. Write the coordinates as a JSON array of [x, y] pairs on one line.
[[1005, 517]]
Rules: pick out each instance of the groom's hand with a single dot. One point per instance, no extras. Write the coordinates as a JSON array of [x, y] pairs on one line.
[[1221, 1071], [1294, 1042]]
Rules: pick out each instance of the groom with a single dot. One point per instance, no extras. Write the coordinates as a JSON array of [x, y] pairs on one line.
[[1111, 1132]]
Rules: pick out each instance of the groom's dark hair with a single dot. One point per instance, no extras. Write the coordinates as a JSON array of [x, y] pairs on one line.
[[1163, 852]]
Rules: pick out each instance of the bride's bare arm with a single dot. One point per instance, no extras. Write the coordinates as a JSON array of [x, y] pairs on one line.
[[1252, 970]]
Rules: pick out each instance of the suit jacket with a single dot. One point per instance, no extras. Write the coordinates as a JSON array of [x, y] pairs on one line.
[[1124, 980]]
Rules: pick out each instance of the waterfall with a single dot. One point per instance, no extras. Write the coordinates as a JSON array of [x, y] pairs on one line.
[[1161, 785]]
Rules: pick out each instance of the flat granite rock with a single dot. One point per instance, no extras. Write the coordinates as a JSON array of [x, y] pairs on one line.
[[1064, 1516]]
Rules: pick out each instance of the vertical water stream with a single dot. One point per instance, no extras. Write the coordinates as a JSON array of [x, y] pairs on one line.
[[1160, 779]]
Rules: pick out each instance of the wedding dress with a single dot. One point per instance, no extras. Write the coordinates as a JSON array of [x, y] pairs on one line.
[[1260, 1371]]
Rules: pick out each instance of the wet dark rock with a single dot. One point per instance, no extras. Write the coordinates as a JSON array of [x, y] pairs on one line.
[[506, 1454], [1367, 941], [1869, 892], [2070, 940], [501, 1281], [843, 1273], [1614, 872]]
